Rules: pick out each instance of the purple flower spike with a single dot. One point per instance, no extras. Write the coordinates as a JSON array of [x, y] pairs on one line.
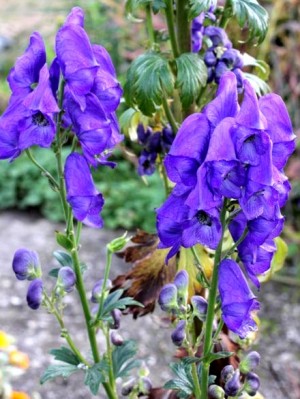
[[178, 335], [26, 264], [66, 278], [238, 302], [86, 202], [167, 299], [35, 293]]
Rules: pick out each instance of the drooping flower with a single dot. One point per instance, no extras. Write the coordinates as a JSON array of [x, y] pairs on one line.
[[237, 301], [35, 293], [250, 362], [97, 290], [167, 299], [26, 264], [199, 307], [86, 202], [178, 335], [181, 281], [233, 384], [66, 279]]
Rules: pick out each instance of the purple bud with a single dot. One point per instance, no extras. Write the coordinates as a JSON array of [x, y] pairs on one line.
[[233, 385], [145, 385], [210, 58], [252, 384], [181, 281], [128, 387], [199, 307], [116, 315], [178, 335], [250, 362], [216, 392], [97, 290], [35, 293], [66, 279], [26, 264], [116, 338], [167, 299], [226, 373]]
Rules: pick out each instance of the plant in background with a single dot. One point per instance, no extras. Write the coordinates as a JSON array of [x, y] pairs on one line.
[[219, 143]]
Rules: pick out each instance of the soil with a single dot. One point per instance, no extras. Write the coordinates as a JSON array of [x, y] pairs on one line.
[[36, 332]]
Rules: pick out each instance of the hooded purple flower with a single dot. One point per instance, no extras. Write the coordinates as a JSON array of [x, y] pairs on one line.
[[237, 300], [86, 202], [66, 279], [35, 293], [26, 264]]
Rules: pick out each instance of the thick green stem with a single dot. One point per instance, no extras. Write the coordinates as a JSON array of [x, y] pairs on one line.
[[169, 10], [169, 115], [183, 26], [149, 24], [211, 310]]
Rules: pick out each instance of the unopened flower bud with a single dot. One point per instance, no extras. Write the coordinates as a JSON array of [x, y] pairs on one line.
[[167, 299], [233, 385], [181, 281], [128, 387], [250, 362], [26, 264], [199, 307], [66, 279], [216, 392], [145, 385], [178, 335], [116, 338], [116, 315], [252, 384], [226, 373], [97, 290], [118, 243], [35, 293]]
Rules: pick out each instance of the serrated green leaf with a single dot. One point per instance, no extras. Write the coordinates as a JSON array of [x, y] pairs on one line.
[[96, 375], [198, 6], [122, 358], [63, 258], [262, 68], [184, 381], [149, 78], [58, 370], [250, 12], [257, 83], [191, 76], [65, 355], [114, 301]]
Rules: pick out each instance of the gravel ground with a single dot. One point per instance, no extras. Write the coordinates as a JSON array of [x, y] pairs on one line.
[[37, 333]]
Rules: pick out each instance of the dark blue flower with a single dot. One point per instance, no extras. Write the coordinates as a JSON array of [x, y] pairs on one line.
[[167, 299], [237, 301], [86, 202], [147, 163], [26, 264], [178, 335], [35, 293]]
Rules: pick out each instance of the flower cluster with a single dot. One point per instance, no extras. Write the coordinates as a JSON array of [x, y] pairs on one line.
[[154, 143], [26, 266], [219, 57], [230, 152], [81, 85]]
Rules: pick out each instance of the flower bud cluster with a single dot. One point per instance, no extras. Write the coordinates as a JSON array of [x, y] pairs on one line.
[[26, 266], [153, 143], [173, 299]]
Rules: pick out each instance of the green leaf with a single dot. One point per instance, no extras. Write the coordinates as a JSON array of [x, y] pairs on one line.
[[184, 381], [261, 67], [198, 6], [219, 355], [65, 355], [191, 76], [257, 83], [114, 301], [63, 240], [96, 375], [149, 78], [250, 12], [122, 358], [63, 258], [58, 370], [158, 5], [54, 272]]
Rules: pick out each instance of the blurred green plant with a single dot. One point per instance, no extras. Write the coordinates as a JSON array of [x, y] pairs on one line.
[[129, 202]]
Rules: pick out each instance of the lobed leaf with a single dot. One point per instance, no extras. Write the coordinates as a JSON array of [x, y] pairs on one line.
[[122, 358], [258, 84], [65, 355], [58, 370], [96, 375]]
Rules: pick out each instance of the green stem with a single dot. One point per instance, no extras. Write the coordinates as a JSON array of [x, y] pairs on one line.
[[169, 115], [236, 244], [169, 10], [211, 310], [42, 169], [149, 24], [197, 389], [183, 26], [199, 265], [227, 14], [106, 275], [109, 359]]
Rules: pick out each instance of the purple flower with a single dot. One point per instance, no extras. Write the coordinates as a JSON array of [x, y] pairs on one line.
[[233, 384], [116, 338], [199, 307], [147, 163], [237, 301], [35, 293], [252, 384], [66, 279], [167, 299], [250, 362], [26, 264], [86, 202], [178, 335], [97, 290], [181, 281], [217, 36]]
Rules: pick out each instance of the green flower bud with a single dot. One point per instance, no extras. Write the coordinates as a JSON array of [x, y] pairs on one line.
[[118, 243]]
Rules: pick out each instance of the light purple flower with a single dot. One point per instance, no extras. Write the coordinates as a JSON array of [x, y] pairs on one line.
[[35, 293], [26, 264]]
